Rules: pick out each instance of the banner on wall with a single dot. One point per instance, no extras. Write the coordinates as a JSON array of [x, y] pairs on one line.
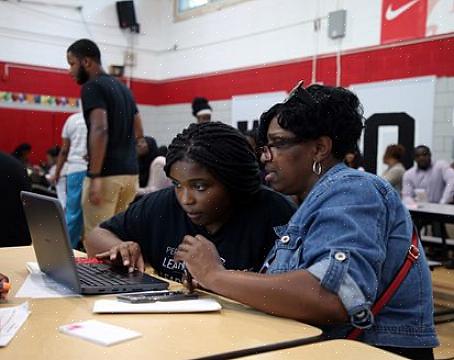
[[8, 97], [246, 109], [403, 19], [410, 19]]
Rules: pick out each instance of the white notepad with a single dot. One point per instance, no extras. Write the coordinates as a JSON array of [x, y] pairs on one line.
[[183, 306], [99, 332]]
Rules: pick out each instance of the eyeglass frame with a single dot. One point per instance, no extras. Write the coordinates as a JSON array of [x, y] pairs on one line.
[[266, 151]]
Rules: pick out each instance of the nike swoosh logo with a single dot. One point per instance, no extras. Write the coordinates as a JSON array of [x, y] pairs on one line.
[[392, 14]]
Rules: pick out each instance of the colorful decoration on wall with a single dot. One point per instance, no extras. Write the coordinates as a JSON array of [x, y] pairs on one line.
[[46, 100]]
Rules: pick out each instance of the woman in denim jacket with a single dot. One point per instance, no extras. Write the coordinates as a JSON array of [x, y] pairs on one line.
[[343, 246]]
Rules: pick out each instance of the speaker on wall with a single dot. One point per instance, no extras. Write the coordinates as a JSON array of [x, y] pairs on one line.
[[127, 15]]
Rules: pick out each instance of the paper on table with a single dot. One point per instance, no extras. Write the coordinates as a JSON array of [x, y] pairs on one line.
[[39, 285], [99, 332], [11, 319], [183, 306]]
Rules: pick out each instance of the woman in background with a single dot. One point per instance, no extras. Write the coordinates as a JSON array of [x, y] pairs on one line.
[[354, 159], [395, 171], [151, 166]]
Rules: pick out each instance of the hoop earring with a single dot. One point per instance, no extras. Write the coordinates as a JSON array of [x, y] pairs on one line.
[[316, 167]]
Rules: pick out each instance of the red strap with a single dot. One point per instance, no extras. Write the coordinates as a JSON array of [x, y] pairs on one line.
[[412, 256]]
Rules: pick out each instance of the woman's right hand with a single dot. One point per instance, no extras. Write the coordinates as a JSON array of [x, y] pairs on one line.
[[130, 255]]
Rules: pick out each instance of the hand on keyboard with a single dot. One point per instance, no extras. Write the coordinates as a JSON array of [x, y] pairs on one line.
[[127, 253]]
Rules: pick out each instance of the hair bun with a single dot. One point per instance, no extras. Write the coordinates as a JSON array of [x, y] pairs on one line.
[[198, 104]]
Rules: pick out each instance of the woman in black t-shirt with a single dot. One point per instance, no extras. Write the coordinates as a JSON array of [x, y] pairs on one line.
[[217, 194]]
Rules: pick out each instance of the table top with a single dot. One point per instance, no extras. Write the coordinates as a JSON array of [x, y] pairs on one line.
[[236, 328], [444, 211], [333, 349]]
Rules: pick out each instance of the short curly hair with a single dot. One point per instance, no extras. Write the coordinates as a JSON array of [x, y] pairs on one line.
[[323, 111]]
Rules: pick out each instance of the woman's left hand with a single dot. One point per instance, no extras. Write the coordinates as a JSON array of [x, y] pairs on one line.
[[201, 258]]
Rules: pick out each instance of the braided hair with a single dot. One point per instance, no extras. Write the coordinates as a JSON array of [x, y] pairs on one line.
[[223, 151]]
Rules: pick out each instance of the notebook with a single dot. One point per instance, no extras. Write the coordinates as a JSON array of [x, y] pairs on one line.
[[50, 239]]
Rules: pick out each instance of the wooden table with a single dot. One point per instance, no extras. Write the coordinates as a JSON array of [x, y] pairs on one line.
[[333, 349], [235, 330]]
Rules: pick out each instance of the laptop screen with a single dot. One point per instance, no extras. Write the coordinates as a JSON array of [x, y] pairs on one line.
[[50, 239]]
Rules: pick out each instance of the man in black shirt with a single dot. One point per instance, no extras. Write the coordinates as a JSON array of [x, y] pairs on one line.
[[13, 179], [217, 194], [113, 124]]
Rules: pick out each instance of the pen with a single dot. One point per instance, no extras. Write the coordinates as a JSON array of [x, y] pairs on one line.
[[188, 277]]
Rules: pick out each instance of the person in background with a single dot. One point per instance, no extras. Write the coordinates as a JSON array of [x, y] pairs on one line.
[[113, 125], [147, 150], [251, 136], [4, 286], [48, 169], [73, 157], [22, 153], [342, 247], [394, 173], [429, 181], [13, 180], [51, 159], [216, 194], [354, 159], [157, 178], [201, 109]]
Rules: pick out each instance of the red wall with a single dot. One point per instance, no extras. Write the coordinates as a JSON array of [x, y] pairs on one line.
[[42, 128]]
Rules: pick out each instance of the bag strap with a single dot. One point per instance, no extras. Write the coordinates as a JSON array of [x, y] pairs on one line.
[[412, 256]]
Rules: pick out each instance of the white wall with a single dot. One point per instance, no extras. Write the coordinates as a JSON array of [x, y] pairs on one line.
[[40, 35], [164, 122], [250, 33], [264, 31], [247, 34]]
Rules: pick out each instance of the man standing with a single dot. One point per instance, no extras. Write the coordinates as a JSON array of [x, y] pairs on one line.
[[113, 124], [73, 152], [430, 181]]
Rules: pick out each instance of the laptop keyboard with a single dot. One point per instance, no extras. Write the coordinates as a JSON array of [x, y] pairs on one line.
[[102, 275]]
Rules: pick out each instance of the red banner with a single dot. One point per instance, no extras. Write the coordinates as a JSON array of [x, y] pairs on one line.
[[403, 19]]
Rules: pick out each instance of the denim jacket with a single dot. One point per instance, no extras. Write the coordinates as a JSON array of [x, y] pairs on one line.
[[353, 233]]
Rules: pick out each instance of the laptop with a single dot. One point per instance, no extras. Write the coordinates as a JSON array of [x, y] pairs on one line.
[[50, 239]]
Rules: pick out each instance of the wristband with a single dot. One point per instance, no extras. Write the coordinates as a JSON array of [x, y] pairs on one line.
[[92, 175]]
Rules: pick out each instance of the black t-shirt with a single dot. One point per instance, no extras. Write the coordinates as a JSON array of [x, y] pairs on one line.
[[106, 92], [158, 223], [13, 179]]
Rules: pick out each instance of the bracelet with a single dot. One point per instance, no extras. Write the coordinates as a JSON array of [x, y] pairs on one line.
[[93, 175]]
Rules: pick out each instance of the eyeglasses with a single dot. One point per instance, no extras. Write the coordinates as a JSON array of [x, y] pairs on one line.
[[279, 144]]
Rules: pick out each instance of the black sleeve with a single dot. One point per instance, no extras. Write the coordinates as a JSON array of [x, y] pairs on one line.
[[92, 97], [131, 224]]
